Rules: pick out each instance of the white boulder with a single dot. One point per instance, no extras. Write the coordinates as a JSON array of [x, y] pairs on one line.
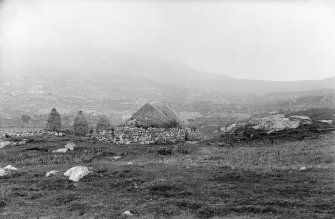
[[5, 143], [10, 167], [3, 172], [76, 173], [61, 150], [323, 121], [50, 173], [304, 119], [128, 213], [70, 146]]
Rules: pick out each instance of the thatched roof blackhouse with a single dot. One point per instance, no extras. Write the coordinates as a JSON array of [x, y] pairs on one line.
[[155, 116]]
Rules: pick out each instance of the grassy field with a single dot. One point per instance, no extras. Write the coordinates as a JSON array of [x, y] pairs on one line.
[[247, 180]]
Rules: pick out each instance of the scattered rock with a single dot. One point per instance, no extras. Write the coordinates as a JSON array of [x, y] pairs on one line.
[[76, 173], [10, 167], [61, 150], [50, 173], [70, 146], [5, 143], [3, 172], [191, 142], [326, 121], [23, 142], [128, 213]]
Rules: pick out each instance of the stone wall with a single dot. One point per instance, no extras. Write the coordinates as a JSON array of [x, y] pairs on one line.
[[129, 135]]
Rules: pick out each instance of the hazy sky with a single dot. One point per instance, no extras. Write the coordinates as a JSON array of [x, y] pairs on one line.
[[272, 40]]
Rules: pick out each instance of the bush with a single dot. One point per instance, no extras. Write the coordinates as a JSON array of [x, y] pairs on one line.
[[165, 151], [25, 118]]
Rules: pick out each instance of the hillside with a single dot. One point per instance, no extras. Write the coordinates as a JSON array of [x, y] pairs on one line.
[[155, 70]]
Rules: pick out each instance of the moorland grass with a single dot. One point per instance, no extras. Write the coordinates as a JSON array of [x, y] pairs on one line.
[[246, 180]]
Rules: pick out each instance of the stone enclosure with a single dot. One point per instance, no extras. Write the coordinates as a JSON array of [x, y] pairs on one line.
[[135, 135]]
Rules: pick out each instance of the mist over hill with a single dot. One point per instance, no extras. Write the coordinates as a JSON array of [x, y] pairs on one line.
[[107, 70]]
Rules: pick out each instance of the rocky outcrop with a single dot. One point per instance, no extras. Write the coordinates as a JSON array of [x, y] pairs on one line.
[[274, 123]]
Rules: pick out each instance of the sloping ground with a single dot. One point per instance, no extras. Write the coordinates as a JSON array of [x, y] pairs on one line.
[[317, 113], [249, 180]]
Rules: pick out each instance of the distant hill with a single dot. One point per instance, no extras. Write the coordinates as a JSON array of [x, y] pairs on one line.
[[134, 69]]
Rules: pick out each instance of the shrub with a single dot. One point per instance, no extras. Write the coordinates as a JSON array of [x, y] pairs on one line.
[[165, 151]]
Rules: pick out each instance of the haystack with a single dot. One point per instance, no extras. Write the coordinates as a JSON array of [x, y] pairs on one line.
[[54, 122], [155, 116], [80, 126], [103, 123]]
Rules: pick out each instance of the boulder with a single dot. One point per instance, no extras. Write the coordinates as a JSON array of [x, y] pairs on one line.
[[3, 172], [10, 167], [305, 120], [76, 173], [61, 150], [5, 143], [274, 123], [323, 121], [70, 146], [50, 173]]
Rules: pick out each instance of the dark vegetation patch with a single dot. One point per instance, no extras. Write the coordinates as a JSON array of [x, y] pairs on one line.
[[316, 113], [249, 134]]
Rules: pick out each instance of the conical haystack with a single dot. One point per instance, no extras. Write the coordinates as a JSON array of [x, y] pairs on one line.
[[54, 123], [80, 126], [156, 116], [103, 123]]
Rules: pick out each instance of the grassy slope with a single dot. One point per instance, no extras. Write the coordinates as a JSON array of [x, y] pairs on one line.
[[254, 180]]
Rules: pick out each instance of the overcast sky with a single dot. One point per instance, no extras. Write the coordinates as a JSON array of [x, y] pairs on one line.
[[271, 40]]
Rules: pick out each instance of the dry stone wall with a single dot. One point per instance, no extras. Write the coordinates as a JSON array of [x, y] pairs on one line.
[[129, 135]]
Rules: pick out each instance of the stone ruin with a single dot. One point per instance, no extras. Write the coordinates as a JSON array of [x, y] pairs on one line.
[[54, 122]]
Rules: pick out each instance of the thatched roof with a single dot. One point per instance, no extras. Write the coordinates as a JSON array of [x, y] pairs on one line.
[[103, 123], [156, 116], [80, 125], [54, 121]]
